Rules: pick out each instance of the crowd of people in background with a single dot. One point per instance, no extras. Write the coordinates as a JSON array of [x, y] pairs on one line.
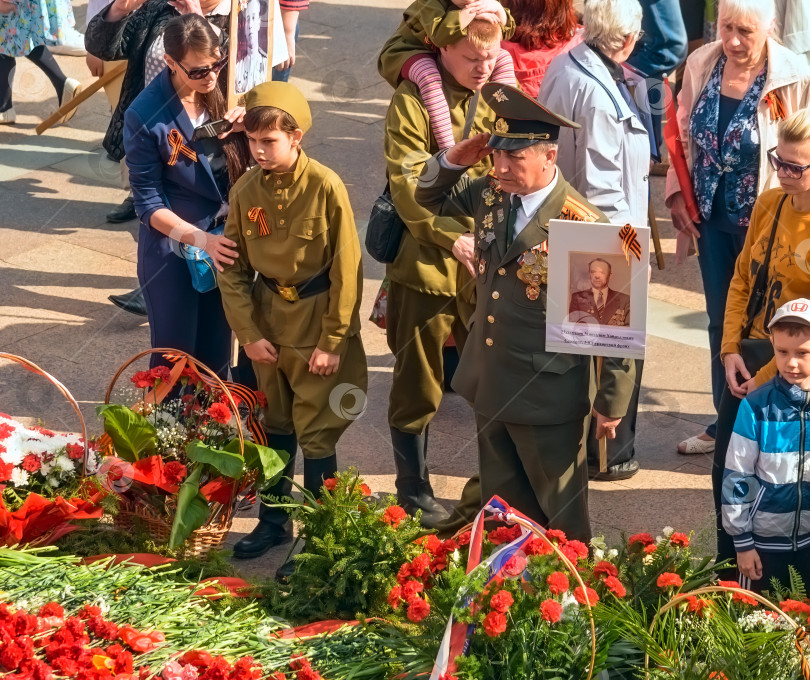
[[578, 100]]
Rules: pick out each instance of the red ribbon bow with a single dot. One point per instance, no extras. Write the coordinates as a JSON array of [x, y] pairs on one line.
[[178, 147]]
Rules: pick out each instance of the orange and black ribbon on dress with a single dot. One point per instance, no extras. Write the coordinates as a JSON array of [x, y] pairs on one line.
[[630, 243], [257, 215], [775, 106], [179, 147]]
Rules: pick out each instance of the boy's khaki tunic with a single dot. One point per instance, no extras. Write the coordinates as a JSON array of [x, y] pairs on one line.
[[426, 24], [312, 229], [431, 294]]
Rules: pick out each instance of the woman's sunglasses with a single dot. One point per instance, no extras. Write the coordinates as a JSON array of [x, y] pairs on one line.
[[792, 170], [200, 73]]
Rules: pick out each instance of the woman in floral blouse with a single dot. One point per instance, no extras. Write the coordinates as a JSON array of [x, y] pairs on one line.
[[735, 92]]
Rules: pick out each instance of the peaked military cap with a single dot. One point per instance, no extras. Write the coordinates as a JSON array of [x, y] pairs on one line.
[[520, 121], [284, 96]]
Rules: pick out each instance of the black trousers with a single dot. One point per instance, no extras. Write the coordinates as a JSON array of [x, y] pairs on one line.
[[726, 415], [42, 57]]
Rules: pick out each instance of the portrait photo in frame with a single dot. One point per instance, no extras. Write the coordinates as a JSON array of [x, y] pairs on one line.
[[256, 44], [597, 296]]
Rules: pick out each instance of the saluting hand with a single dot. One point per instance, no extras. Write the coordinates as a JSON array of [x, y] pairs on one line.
[[261, 351], [323, 363], [469, 151]]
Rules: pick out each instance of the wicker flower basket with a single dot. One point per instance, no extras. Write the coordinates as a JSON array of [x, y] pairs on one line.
[[134, 516]]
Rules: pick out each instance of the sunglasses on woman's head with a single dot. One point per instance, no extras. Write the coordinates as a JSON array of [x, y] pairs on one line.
[[200, 73], [792, 170]]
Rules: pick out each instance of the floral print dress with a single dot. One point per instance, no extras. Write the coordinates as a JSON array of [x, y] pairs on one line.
[[34, 23], [733, 153]]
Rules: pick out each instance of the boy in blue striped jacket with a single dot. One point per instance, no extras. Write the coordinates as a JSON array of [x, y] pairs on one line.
[[766, 482]]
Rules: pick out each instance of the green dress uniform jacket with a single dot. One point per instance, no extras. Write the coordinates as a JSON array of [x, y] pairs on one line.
[[424, 261], [426, 25], [311, 230], [505, 370]]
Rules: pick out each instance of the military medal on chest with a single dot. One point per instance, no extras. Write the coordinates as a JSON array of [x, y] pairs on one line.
[[533, 269]]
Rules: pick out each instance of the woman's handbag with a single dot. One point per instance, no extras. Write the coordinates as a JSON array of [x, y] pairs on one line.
[[385, 228], [200, 264]]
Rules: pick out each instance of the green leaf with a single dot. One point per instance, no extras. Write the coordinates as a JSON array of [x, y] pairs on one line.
[[192, 509], [131, 433], [224, 462], [269, 462]]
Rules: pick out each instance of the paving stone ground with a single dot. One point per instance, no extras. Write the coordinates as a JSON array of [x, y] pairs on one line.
[[59, 260]]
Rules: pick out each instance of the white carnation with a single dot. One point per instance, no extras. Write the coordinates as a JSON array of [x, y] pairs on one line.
[[19, 477], [668, 531], [64, 463], [612, 554]]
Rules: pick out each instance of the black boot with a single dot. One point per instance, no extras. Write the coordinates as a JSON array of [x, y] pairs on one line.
[[413, 483], [316, 470], [124, 212], [131, 302], [274, 525]]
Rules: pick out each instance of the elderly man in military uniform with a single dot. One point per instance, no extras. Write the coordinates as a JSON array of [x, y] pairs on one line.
[[426, 298], [600, 302], [530, 405]]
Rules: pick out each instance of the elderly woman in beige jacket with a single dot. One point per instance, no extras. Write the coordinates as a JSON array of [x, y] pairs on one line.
[[735, 92]]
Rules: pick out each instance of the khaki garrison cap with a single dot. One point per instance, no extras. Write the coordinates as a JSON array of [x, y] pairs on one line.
[[284, 96]]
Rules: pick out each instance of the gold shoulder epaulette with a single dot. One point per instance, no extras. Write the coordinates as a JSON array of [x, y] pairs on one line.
[[576, 210]]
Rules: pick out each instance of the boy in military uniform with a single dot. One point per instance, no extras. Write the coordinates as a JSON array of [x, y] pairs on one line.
[[530, 404], [299, 321]]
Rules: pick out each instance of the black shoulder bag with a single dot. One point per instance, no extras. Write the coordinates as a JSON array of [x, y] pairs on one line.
[[756, 352], [385, 226]]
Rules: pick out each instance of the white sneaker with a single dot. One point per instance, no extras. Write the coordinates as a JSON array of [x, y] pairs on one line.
[[8, 117], [72, 88]]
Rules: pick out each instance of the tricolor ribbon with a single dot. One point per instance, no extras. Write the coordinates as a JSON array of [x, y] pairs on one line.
[[179, 147], [457, 635], [257, 215], [630, 243]]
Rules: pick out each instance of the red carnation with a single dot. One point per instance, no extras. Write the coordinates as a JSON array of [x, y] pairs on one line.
[[431, 543], [644, 539], [501, 601], [12, 655], [794, 606], [278, 675], [464, 539], [420, 564], [6, 429], [219, 412], [418, 609], [574, 550], [650, 549], [551, 611], [728, 584], [331, 483], [394, 596], [75, 451], [393, 515], [448, 546], [494, 624], [615, 586], [160, 373], [605, 569], [680, 539], [262, 397], [557, 583], [669, 580], [365, 489], [308, 674], [515, 565], [404, 573], [31, 462], [174, 472], [556, 535], [745, 599], [503, 534], [411, 590], [697, 605], [88, 611], [52, 609], [298, 662], [537, 546], [143, 379], [579, 595]]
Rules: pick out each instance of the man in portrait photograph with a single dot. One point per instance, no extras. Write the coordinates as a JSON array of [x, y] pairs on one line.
[[608, 306], [251, 59]]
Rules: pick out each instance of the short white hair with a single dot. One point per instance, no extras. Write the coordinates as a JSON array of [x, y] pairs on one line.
[[609, 22], [761, 12]]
